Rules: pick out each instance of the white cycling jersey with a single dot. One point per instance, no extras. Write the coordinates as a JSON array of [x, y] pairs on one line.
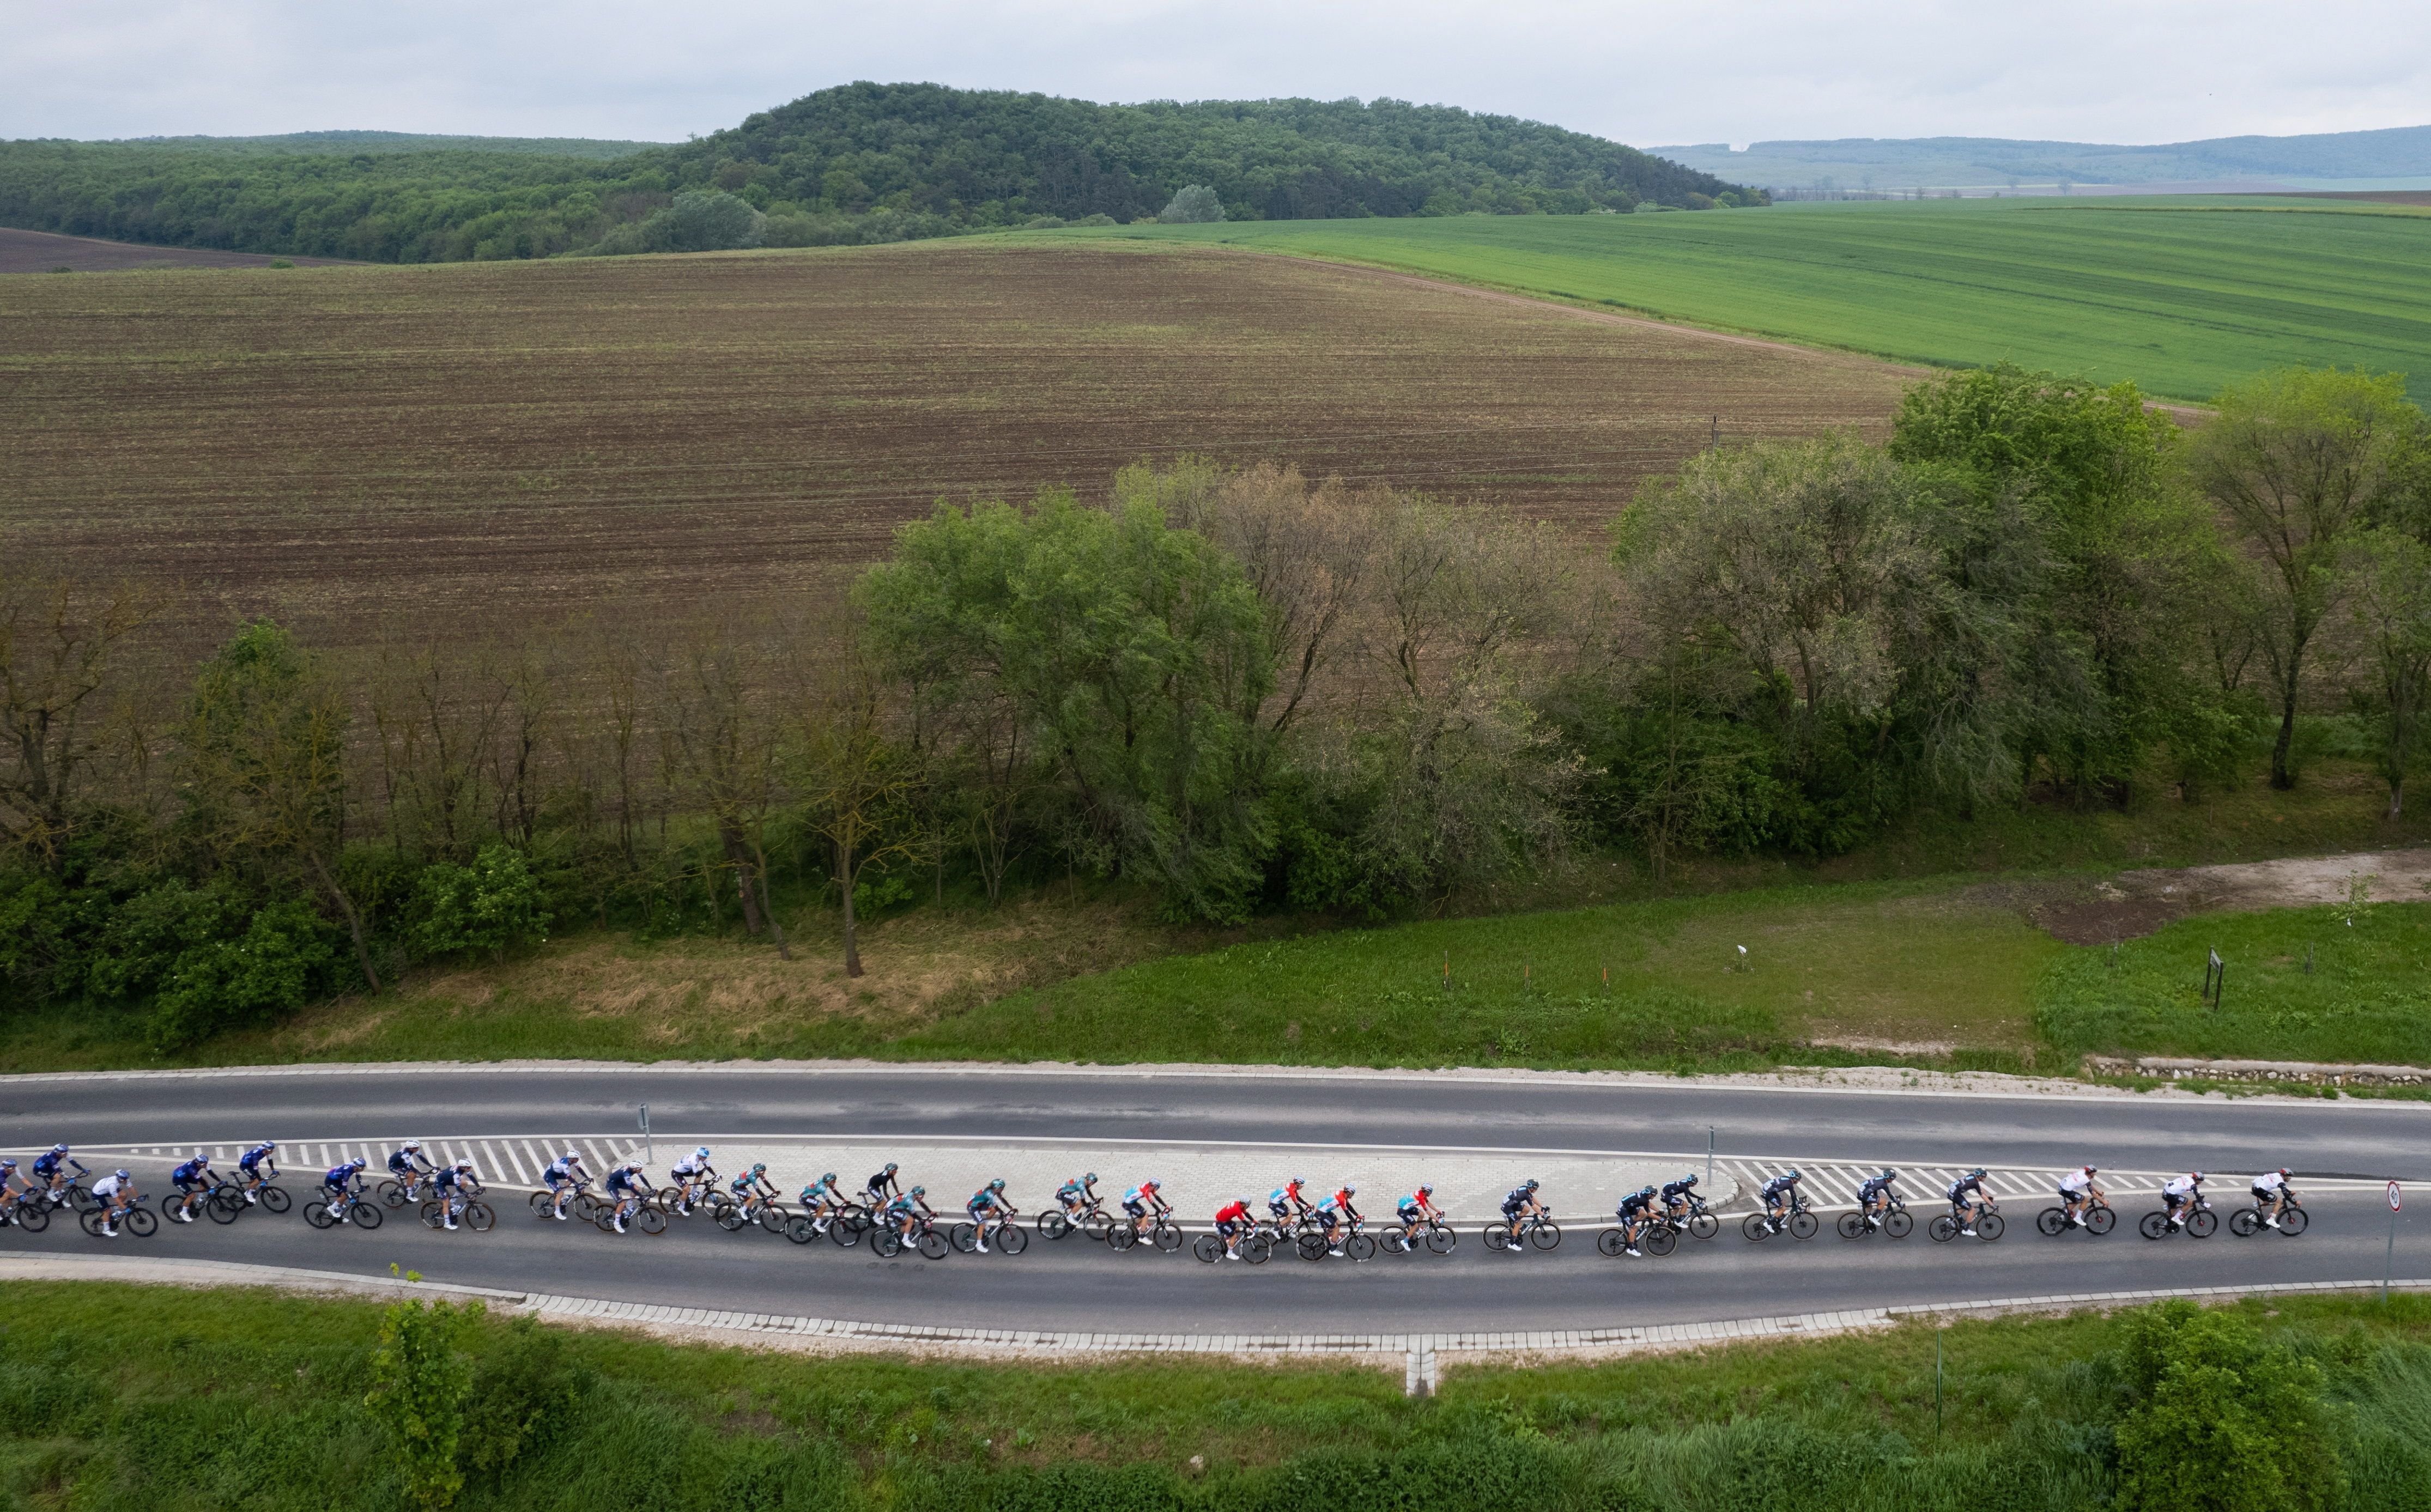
[[689, 1165], [2076, 1181], [106, 1189], [2270, 1181], [2179, 1187]]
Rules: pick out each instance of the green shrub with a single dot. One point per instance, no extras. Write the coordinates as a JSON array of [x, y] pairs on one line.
[[284, 953], [491, 906], [2219, 1421]]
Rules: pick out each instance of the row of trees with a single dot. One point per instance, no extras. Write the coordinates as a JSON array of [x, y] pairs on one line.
[[862, 163], [1242, 691]]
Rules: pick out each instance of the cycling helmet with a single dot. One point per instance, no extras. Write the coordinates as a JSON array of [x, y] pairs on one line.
[[1646, 1190], [359, 1163], [201, 1159], [1977, 1172], [1349, 1190], [1889, 1174], [760, 1170], [1297, 1181], [996, 1185], [918, 1192], [1797, 1175], [2196, 1174], [702, 1153], [2088, 1170], [467, 1164], [2284, 1173], [270, 1144], [1090, 1180], [7, 1163], [414, 1144], [1426, 1189], [1149, 1185], [890, 1167], [58, 1149], [1690, 1180], [828, 1180], [125, 1176], [1532, 1183], [572, 1154]]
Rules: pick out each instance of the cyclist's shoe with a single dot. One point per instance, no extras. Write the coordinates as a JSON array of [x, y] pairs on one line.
[[1969, 1232], [109, 1231], [248, 1199], [1631, 1249], [450, 1225], [2271, 1222], [620, 1225], [184, 1217], [983, 1246]]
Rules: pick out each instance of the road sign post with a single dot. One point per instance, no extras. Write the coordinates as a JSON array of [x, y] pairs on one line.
[[2389, 1262], [648, 1151]]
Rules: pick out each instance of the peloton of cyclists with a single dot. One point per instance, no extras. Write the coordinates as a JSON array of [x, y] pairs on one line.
[[2078, 1192]]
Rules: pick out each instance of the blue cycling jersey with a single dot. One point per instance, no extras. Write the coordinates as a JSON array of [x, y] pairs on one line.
[[1674, 1191], [1780, 1186], [1964, 1185], [401, 1163], [190, 1171], [1874, 1186], [1518, 1198], [47, 1164], [255, 1156], [620, 1180], [338, 1176]]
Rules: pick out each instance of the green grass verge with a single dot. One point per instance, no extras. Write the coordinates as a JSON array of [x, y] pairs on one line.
[[2340, 984], [2183, 296], [121, 1397]]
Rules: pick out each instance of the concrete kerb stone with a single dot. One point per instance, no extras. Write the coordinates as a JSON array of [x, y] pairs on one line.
[[1418, 1354]]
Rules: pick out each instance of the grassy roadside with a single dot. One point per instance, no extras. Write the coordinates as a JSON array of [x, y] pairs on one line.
[[111, 1398]]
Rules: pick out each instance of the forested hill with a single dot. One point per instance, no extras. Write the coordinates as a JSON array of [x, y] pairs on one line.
[[860, 162]]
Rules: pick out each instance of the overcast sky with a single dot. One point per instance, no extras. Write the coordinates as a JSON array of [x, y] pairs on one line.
[[1642, 72]]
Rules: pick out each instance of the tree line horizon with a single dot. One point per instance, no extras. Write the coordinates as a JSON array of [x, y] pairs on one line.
[[1245, 693]]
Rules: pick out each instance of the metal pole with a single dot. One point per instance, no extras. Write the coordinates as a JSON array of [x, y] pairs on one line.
[[1709, 1157], [1936, 1384], [2389, 1262], [649, 1151]]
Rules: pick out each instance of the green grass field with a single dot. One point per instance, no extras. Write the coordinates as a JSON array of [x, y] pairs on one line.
[[122, 1397], [2183, 295]]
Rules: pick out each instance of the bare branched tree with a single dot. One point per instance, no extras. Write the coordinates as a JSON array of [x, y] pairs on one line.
[[59, 647]]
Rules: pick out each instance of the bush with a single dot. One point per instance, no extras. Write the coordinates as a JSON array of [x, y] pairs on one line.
[[492, 905], [285, 952], [2219, 1420], [1196, 204]]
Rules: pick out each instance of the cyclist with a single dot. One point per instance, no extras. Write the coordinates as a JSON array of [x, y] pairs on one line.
[[1874, 1196], [2270, 1194], [2179, 1193], [1676, 1193], [629, 1186], [1633, 1212], [752, 1190], [1078, 1196], [1231, 1222], [565, 1177], [51, 1169], [1287, 1204], [193, 1179], [406, 1164], [1967, 1199], [1517, 1205], [1780, 1196], [882, 1187], [1139, 1199], [13, 1190], [1337, 1213], [822, 1201], [1416, 1211], [448, 1184], [907, 1211], [2077, 1190], [116, 1193], [342, 1184], [249, 1167], [988, 1206], [691, 1174]]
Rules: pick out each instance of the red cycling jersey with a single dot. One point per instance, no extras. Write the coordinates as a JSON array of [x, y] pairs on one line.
[[1342, 1198], [1233, 1214], [1293, 1192]]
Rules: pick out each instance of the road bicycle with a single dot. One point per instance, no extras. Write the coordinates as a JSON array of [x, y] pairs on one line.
[[1432, 1235], [771, 1216], [25, 1210], [1316, 1244], [475, 1215], [1538, 1229], [207, 1200], [1798, 1223], [649, 1215], [266, 1194], [707, 1197], [397, 1192], [1656, 1236], [846, 1225], [1257, 1244], [353, 1206], [1893, 1219], [1162, 1234], [1989, 1225], [582, 1205], [1093, 1220], [889, 1241], [1690, 1216], [2099, 1218], [136, 1221], [1005, 1238], [2201, 1222], [2247, 1221]]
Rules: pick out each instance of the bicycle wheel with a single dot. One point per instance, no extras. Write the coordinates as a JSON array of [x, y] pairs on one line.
[[1753, 1227], [1360, 1247], [966, 1236], [1494, 1235], [2152, 1225], [316, 1213], [2292, 1222], [2244, 1222], [33, 1220], [366, 1214], [801, 1230], [1311, 1244], [542, 1205], [91, 1222], [274, 1198], [887, 1243], [1546, 1236], [1609, 1242], [1441, 1239], [1703, 1226], [1850, 1226], [2053, 1222], [846, 1229], [2203, 1224], [2100, 1221], [1012, 1240], [1898, 1225], [392, 1193], [480, 1219], [1121, 1237], [1054, 1223], [731, 1218], [652, 1218], [1099, 1226], [932, 1245], [140, 1222], [1166, 1237], [1662, 1239], [1990, 1226], [585, 1207], [1803, 1225], [1258, 1248], [1207, 1248], [433, 1213], [225, 1205], [1943, 1229]]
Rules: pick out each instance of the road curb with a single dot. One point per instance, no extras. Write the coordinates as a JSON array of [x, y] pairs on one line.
[[1418, 1353]]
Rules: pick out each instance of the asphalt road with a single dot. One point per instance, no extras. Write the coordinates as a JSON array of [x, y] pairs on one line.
[[1078, 1285]]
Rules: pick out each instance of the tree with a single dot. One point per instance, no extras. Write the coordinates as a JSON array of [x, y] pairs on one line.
[[59, 647], [2216, 1420], [419, 1383], [2390, 599], [262, 752], [858, 784], [2300, 460], [724, 745], [1194, 205]]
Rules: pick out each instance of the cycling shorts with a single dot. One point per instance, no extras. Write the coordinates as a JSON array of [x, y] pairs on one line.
[[1137, 1209], [1227, 1227]]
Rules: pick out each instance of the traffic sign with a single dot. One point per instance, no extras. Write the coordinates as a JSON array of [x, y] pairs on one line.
[[2392, 1197]]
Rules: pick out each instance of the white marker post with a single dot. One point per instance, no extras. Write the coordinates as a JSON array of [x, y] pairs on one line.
[[2388, 1267]]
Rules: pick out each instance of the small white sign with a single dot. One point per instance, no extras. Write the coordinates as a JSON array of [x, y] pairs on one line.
[[2393, 1203]]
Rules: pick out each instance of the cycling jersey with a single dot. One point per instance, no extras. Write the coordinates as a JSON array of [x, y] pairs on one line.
[[1070, 1192], [1674, 1191], [818, 1194], [741, 1185], [885, 1182], [1232, 1213], [188, 1173], [559, 1172], [1138, 1196], [689, 1165], [446, 1178], [106, 1189], [1963, 1187], [402, 1163], [2180, 1188], [623, 1181], [47, 1162], [1411, 1206], [981, 1200], [1780, 1186], [2075, 1183], [2268, 1183], [1635, 1203], [1874, 1187], [254, 1157], [902, 1207], [338, 1176], [1518, 1198]]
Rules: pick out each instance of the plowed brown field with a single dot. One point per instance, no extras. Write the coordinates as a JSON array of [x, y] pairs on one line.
[[486, 440]]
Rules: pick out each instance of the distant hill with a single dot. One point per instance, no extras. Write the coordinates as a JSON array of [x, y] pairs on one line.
[[349, 143], [861, 162], [1935, 162]]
